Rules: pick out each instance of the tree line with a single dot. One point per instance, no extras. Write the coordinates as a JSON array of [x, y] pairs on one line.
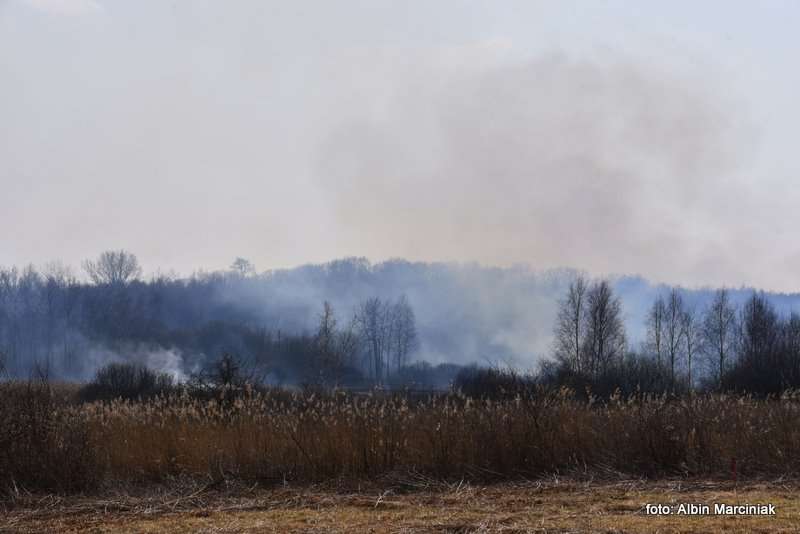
[[721, 346], [53, 324]]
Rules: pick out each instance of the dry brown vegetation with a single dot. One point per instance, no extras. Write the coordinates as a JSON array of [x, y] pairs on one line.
[[50, 443], [411, 505]]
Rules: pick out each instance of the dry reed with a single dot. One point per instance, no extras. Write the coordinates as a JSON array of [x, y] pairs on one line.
[[278, 435]]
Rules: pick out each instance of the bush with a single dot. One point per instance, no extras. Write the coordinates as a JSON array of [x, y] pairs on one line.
[[422, 375], [633, 375], [126, 381], [492, 383]]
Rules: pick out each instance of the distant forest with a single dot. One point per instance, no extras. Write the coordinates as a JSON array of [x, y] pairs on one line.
[[352, 323]]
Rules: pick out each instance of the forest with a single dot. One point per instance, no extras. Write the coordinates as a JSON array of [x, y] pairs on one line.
[[352, 324], [321, 375]]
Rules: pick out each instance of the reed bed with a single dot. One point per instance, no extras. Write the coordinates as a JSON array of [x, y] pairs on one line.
[[274, 436]]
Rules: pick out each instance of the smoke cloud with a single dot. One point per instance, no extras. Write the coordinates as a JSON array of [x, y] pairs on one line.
[[499, 132], [163, 360], [606, 166]]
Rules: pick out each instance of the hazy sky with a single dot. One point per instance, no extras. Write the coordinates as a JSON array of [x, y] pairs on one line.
[[656, 138]]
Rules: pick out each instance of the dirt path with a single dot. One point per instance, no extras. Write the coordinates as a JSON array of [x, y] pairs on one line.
[[544, 506]]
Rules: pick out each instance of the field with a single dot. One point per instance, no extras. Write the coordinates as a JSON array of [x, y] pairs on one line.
[[545, 505], [321, 461]]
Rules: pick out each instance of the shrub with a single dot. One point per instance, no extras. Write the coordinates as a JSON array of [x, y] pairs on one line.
[[126, 381], [422, 375], [492, 383], [633, 375]]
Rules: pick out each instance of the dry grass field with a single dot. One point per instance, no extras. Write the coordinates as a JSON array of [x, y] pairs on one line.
[[547, 505], [280, 461], [52, 444]]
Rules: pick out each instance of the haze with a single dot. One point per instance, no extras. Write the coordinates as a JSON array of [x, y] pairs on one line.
[[617, 137]]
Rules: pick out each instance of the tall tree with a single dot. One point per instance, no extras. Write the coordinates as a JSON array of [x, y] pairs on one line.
[[326, 342], [404, 332], [759, 367], [388, 333], [371, 318], [605, 331], [570, 329], [718, 332], [673, 330], [692, 339], [655, 329], [113, 267]]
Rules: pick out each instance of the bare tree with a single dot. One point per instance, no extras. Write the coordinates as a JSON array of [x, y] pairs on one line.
[[243, 267], [371, 318], [348, 343], [718, 331], [605, 331], [655, 329], [57, 279], [9, 322], [759, 344], [404, 332], [69, 306], [673, 330], [388, 333], [570, 330], [692, 340], [29, 299], [326, 342], [113, 267], [227, 370]]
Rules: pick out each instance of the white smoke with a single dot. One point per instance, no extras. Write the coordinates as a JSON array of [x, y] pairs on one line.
[[170, 361]]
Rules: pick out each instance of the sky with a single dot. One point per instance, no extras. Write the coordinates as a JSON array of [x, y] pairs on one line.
[[616, 137]]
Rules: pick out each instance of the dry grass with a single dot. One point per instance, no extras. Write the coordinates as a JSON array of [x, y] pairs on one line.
[[43, 444], [276, 436], [312, 438], [547, 505]]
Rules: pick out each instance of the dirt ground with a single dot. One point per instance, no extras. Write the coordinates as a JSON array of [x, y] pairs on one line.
[[549, 505]]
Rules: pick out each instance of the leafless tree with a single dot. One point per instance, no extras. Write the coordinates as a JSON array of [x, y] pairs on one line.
[[404, 332], [243, 267], [326, 342], [9, 327], [759, 348], [692, 340], [113, 267], [28, 297], [348, 343], [371, 318], [673, 330], [718, 331], [388, 333], [570, 330], [227, 370], [605, 331], [57, 279], [655, 329]]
